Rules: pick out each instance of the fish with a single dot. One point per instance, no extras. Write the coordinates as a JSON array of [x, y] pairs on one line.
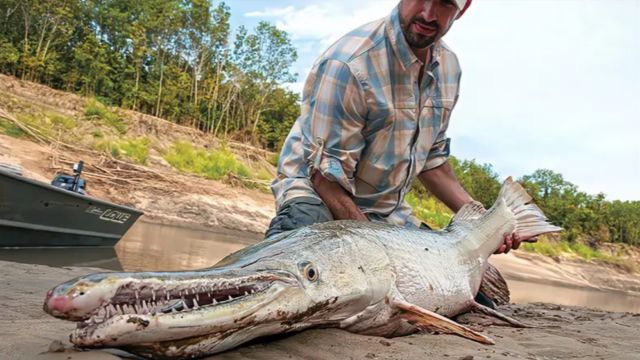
[[364, 277]]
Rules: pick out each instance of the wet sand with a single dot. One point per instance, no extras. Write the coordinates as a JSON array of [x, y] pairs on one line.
[[563, 332]]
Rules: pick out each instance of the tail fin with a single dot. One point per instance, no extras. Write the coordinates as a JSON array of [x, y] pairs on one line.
[[530, 221]]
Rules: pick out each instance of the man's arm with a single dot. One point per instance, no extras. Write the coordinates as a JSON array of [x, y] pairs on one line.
[[336, 198], [441, 181]]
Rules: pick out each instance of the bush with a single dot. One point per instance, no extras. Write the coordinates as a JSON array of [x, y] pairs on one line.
[[62, 121], [210, 164], [429, 210], [136, 150], [96, 110], [10, 129]]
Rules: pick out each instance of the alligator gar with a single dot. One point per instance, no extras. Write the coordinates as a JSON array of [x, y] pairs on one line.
[[367, 278]]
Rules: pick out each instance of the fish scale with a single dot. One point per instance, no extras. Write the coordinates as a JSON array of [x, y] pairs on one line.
[[364, 277]]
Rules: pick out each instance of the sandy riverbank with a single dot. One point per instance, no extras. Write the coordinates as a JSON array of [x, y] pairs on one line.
[[26, 332]]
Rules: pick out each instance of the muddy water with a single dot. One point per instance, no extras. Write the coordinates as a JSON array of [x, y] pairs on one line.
[[149, 247]]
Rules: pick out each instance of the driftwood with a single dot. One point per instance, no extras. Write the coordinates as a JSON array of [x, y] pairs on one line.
[[103, 167]]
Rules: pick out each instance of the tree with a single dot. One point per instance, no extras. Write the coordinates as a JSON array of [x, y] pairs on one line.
[[264, 59]]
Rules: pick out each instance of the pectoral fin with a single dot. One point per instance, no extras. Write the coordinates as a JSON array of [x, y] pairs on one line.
[[498, 315], [430, 321]]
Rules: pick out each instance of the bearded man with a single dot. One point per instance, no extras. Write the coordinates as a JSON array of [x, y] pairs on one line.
[[375, 112]]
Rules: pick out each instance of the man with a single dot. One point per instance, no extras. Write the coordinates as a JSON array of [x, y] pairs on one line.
[[375, 111]]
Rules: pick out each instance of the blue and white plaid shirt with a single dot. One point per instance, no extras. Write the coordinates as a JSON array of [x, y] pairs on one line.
[[367, 124]]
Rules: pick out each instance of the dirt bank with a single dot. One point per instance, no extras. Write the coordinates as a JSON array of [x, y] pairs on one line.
[[560, 332], [192, 200]]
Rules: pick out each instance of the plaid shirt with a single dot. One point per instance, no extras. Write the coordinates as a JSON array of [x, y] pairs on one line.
[[367, 124]]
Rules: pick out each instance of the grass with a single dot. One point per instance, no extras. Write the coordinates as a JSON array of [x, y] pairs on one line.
[[430, 211], [136, 150], [212, 164], [97, 110], [553, 248], [61, 121], [36, 121], [10, 129]]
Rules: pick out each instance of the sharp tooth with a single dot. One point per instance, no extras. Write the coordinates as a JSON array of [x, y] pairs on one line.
[[195, 304], [197, 297], [173, 310], [246, 293], [214, 302], [253, 291], [168, 297], [125, 308], [230, 297], [153, 295]]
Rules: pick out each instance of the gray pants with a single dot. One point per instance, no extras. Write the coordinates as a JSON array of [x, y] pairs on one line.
[[297, 213]]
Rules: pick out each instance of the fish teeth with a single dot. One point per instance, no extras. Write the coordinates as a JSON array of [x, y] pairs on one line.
[[153, 295], [195, 304], [246, 293]]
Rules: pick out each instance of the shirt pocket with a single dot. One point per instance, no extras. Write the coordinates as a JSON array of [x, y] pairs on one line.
[[434, 119], [435, 114]]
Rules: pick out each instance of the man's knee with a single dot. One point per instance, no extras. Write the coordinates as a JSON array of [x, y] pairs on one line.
[[297, 213]]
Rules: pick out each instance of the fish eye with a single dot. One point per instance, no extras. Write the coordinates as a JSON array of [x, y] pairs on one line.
[[310, 272]]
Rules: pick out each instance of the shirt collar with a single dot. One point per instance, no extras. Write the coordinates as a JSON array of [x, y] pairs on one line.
[[400, 45]]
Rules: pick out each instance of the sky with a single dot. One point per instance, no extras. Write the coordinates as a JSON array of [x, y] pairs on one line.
[[551, 84]]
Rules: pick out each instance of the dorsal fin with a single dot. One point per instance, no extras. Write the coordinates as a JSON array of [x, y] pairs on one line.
[[470, 211]]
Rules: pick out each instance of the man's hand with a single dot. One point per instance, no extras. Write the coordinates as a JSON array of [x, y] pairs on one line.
[[512, 242], [337, 199]]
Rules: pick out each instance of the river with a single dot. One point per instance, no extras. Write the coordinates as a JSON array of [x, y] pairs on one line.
[[150, 247]]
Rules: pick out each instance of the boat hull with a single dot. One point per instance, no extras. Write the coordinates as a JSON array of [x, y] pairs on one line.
[[36, 214]]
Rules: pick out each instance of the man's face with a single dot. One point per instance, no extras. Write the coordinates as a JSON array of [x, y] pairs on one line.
[[426, 21]]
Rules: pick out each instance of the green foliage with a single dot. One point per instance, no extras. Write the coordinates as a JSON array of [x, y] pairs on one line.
[[8, 128], [96, 110], [62, 121], [136, 150], [479, 180], [174, 59], [214, 164], [548, 247], [429, 210], [36, 121], [9, 55], [263, 174], [583, 216]]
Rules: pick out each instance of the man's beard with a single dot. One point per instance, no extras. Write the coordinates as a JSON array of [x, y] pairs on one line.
[[418, 41]]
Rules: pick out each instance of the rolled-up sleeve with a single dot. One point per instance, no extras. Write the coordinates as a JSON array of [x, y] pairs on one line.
[[439, 152], [333, 121]]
